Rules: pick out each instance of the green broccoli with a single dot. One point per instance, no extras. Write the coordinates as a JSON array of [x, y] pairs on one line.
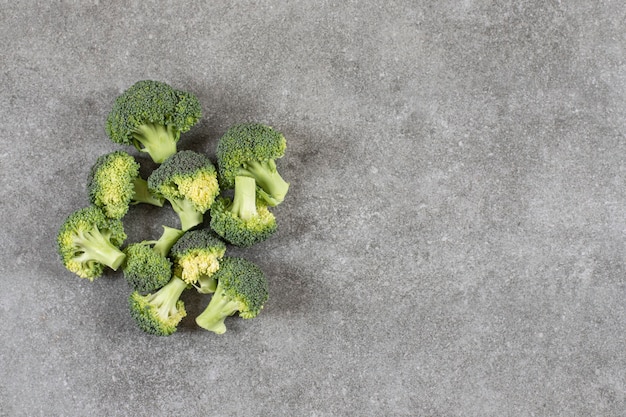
[[245, 220], [147, 267], [242, 287], [250, 149], [159, 313], [87, 241], [188, 180], [151, 115], [196, 256], [114, 183]]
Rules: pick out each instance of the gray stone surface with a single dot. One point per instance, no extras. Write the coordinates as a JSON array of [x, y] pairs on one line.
[[452, 244]]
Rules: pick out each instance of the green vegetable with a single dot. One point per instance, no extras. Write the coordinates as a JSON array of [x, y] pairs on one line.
[[88, 241], [114, 184], [188, 180], [197, 257], [245, 220], [151, 115], [159, 313], [241, 287], [250, 150], [147, 267]]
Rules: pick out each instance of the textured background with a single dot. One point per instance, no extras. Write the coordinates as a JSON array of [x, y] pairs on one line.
[[452, 244]]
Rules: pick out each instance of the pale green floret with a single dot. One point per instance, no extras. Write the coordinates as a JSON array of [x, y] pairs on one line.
[[188, 180], [114, 184], [159, 313], [151, 115], [250, 149], [88, 241], [241, 287], [245, 220], [197, 257]]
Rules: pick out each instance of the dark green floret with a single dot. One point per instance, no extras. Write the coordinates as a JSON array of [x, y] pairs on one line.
[[159, 313], [197, 257], [147, 267], [151, 115], [245, 220], [241, 287], [114, 184], [250, 149], [88, 241], [188, 180]]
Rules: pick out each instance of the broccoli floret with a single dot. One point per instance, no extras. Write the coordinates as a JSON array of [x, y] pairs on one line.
[[245, 220], [87, 241], [114, 183], [188, 180], [159, 313], [151, 115], [147, 267], [241, 287], [196, 257], [250, 149]]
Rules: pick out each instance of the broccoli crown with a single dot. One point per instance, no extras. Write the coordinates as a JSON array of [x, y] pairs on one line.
[[111, 183], [239, 231], [151, 115], [186, 175], [244, 144], [87, 241], [197, 254], [159, 313], [241, 287], [145, 269]]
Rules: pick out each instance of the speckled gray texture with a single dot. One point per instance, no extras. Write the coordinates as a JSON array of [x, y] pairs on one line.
[[452, 244]]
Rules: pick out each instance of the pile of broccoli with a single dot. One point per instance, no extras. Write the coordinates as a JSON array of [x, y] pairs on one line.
[[217, 204]]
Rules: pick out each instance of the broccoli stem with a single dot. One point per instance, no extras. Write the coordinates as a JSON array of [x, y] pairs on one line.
[[268, 179], [96, 246], [143, 194], [158, 141], [166, 241], [244, 200], [220, 307], [188, 215], [165, 299]]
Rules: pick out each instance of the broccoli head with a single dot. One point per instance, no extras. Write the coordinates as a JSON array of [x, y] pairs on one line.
[[88, 241], [188, 180], [250, 149], [114, 183], [197, 255], [147, 267], [159, 313], [245, 220], [151, 115], [241, 287]]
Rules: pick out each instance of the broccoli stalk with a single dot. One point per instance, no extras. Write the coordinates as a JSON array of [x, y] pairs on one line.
[[169, 237], [187, 213], [158, 141], [244, 199], [214, 315], [272, 187], [143, 194]]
